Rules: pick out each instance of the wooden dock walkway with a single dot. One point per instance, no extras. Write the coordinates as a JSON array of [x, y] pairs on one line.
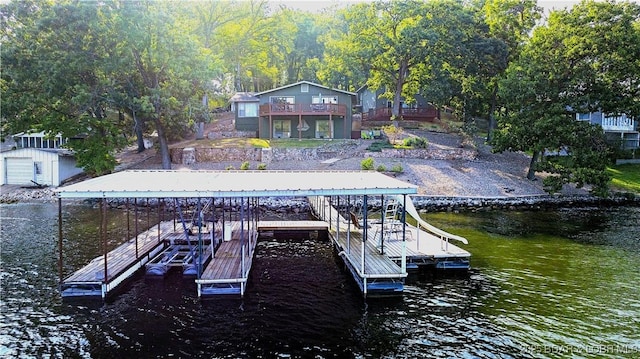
[[375, 273], [122, 262]]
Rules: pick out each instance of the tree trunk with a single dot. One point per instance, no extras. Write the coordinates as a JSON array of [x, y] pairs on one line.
[[531, 174], [164, 145], [397, 96], [492, 111], [137, 126]]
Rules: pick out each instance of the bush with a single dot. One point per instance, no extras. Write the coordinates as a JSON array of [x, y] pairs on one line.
[[381, 168], [416, 142], [262, 166], [397, 168], [245, 165], [230, 168], [378, 146], [367, 164]]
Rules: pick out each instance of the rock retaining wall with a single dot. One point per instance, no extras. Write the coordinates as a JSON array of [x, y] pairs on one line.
[[427, 154]]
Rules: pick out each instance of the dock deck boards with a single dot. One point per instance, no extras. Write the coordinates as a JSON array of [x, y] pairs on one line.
[[121, 257]]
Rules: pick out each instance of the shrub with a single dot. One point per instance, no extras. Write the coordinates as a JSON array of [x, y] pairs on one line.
[[262, 166], [245, 165], [367, 164], [397, 168], [381, 168], [377, 146], [392, 132], [230, 168], [416, 142]]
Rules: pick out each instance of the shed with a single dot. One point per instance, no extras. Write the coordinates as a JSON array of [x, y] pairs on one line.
[[44, 166]]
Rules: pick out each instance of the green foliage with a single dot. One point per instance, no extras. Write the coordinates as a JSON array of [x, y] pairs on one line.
[[416, 142], [392, 132], [245, 165], [397, 168], [381, 168], [230, 168], [367, 164], [377, 146], [261, 166]]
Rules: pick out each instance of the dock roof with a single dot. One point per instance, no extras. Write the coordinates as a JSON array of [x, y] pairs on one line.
[[205, 184]]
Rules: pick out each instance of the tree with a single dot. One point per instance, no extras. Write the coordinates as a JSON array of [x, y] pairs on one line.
[[57, 76], [171, 69], [509, 21], [569, 66]]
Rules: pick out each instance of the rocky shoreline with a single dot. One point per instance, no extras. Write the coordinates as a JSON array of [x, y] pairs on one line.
[[421, 202]]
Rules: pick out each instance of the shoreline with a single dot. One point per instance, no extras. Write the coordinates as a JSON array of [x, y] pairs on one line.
[[424, 203]]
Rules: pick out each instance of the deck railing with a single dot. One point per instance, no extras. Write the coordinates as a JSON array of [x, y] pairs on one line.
[[303, 109], [414, 114], [618, 123]]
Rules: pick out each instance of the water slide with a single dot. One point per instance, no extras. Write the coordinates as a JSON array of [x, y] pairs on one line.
[[411, 210]]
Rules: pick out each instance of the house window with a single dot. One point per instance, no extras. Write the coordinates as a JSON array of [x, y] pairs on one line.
[[324, 99], [323, 129], [584, 117], [37, 168], [282, 103], [304, 88], [247, 109], [281, 128]]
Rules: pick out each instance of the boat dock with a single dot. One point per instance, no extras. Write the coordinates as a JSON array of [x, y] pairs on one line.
[[392, 246], [219, 251]]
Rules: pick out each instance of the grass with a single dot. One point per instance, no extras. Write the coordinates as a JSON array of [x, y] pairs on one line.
[[625, 177], [227, 143]]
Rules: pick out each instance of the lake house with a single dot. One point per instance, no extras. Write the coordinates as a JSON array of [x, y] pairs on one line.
[[617, 128], [300, 110]]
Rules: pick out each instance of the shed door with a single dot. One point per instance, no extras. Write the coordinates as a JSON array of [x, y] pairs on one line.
[[19, 170]]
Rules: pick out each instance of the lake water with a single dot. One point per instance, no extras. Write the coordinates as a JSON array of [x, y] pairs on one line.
[[544, 284]]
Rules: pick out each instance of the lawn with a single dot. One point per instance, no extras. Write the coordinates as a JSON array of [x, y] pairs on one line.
[[226, 143], [625, 177]]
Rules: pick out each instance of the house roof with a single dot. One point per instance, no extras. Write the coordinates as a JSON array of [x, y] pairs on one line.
[[57, 151], [244, 97], [308, 83], [207, 184]]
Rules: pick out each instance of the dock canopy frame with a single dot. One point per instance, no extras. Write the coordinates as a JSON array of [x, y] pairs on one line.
[[227, 184]]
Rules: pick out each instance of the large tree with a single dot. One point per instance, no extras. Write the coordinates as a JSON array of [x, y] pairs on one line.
[[59, 66], [583, 59]]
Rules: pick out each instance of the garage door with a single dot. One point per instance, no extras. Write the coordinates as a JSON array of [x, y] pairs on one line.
[[19, 170]]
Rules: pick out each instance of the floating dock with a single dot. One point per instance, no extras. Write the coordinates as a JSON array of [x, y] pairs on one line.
[[380, 263]]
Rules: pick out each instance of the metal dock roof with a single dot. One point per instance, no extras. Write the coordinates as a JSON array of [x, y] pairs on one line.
[[177, 183]]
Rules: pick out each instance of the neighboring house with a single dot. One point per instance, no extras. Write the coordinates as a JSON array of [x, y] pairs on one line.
[[37, 160], [300, 110], [617, 128], [376, 108]]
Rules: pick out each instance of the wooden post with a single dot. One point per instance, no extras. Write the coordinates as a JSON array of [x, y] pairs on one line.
[[384, 213], [349, 224], [200, 218], [299, 127], [338, 219], [159, 219]]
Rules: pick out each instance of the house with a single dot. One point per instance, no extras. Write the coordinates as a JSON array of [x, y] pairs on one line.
[[376, 108], [37, 159], [617, 128], [300, 110]]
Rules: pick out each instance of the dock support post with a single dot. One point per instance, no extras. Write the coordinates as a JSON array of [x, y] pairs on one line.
[[60, 271], [349, 224], [403, 263], [338, 218], [135, 215], [383, 210], [159, 219], [103, 233], [200, 219], [364, 234]]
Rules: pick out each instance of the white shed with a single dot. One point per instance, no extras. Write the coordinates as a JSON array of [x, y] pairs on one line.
[[44, 166]]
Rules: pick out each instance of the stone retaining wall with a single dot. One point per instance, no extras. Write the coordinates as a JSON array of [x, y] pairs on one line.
[[188, 155], [427, 154]]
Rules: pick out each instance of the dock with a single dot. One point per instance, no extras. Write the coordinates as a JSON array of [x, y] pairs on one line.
[[392, 247], [120, 264], [225, 244]]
